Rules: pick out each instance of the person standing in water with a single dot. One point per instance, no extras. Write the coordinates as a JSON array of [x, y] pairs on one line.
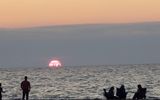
[[25, 86]]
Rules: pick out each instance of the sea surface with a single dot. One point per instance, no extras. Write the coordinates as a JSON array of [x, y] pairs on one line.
[[80, 82]]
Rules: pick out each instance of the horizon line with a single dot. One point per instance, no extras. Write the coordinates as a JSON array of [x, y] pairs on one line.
[[81, 24]]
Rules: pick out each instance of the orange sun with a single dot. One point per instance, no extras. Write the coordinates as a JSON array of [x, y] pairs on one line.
[[55, 64]]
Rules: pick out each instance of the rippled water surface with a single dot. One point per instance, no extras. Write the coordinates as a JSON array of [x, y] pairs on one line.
[[80, 82]]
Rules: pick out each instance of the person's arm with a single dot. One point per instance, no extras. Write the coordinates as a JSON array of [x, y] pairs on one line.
[[22, 85], [29, 86], [3, 91]]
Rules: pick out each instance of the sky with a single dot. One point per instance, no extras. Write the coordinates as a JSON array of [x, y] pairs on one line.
[[29, 13], [79, 32], [76, 45]]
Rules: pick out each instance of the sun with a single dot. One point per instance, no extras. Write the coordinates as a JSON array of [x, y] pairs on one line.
[[55, 64]]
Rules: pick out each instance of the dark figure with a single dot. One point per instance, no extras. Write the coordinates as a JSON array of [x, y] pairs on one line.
[[121, 92], [105, 93], [110, 94], [25, 86], [140, 94], [1, 91]]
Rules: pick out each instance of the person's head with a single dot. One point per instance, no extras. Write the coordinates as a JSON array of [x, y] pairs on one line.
[[25, 77], [139, 86], [112, 88], [122, 86]]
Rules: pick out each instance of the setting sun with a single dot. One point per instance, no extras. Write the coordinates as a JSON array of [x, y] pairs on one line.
[[55, 64]]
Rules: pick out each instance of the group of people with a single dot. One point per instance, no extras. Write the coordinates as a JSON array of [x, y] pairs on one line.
[[25, 86], [121, 93]]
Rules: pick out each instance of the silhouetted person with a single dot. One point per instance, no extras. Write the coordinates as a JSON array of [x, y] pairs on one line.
[[110, 94], [1, 91], [105, 93], [121, 92], [25, 86], [140, 94]]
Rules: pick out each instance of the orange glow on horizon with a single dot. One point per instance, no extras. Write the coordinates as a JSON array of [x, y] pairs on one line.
[[24, 13]]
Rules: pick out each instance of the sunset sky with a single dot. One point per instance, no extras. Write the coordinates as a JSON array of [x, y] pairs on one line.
[[28, 13]]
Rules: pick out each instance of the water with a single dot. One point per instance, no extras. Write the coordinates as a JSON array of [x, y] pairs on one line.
[[80, 82]]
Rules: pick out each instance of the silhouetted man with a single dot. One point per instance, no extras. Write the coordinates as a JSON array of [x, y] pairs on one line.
[[25, 86]]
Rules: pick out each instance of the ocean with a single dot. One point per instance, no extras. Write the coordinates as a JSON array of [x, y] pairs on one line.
[[80, 82]]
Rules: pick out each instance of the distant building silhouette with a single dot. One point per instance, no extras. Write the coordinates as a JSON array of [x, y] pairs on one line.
[[25, 86]]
